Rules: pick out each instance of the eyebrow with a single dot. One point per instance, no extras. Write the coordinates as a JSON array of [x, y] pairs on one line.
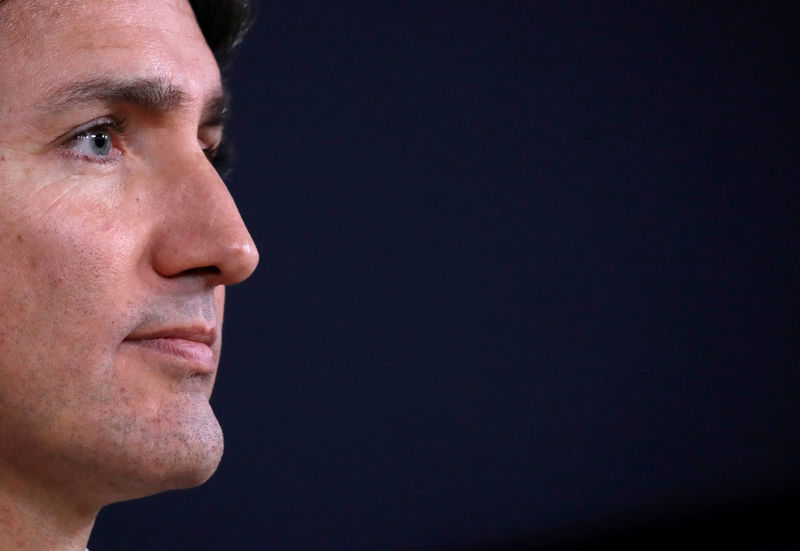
[[155, 95]]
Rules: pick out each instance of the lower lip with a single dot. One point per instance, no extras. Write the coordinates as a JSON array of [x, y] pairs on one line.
[[192, 351]]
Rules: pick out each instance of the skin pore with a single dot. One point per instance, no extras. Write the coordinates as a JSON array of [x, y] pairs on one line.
[[117, 238]]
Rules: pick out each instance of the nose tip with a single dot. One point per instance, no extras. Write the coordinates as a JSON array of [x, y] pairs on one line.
[[242, 259]]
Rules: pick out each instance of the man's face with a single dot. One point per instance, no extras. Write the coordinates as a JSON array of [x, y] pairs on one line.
[[117, 238]]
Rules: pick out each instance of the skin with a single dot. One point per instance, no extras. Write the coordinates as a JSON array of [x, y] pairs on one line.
[[114, 264]]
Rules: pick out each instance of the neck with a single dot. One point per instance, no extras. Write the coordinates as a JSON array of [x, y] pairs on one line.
[[32, 519]]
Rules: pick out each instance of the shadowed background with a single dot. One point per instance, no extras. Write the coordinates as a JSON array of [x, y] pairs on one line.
[[529, 277]]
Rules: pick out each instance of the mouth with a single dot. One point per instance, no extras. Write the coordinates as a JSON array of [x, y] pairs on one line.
[[186, 346]]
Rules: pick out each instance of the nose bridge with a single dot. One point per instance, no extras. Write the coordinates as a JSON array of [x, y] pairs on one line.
[[201, 228]]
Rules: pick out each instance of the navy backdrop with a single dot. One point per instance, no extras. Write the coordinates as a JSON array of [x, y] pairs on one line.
[[529, 277]]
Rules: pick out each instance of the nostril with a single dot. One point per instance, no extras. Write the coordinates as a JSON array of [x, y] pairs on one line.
[[205, 270]]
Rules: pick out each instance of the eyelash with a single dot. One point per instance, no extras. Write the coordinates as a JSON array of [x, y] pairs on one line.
[[114, 127]]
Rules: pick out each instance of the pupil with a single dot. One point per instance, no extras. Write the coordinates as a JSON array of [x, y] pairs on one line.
[[100, 142]]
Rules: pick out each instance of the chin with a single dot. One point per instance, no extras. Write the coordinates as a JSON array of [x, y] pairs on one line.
[[200, 467], [184, 456], [186, 462], [158, 477]]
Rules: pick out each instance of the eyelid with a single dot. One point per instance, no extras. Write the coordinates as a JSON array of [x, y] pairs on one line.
[[115, 124], [210, 135], [115, 127]]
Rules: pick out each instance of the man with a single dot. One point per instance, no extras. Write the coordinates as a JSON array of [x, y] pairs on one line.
[[117, 238]]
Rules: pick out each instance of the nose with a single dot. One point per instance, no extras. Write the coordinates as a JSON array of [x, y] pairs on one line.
[[201, 230]]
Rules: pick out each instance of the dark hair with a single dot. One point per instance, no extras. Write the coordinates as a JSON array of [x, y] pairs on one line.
[[224, 23]]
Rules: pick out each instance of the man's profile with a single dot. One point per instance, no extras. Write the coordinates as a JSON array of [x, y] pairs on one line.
[[118, 238]]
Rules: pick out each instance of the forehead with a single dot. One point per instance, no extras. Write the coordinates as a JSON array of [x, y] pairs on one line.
[[49, 43]]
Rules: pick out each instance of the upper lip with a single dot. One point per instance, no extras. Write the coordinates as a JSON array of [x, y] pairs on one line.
[[199, 333]]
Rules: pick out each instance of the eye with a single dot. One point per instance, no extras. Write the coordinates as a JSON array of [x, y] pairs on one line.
[[95, 141], [93, 144]]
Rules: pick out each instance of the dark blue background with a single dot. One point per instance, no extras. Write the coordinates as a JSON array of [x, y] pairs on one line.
[[529, 276]]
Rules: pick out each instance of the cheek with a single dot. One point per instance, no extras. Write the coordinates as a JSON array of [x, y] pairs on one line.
[[66, 278], [66, 282], [71, 248], [73, 263]]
